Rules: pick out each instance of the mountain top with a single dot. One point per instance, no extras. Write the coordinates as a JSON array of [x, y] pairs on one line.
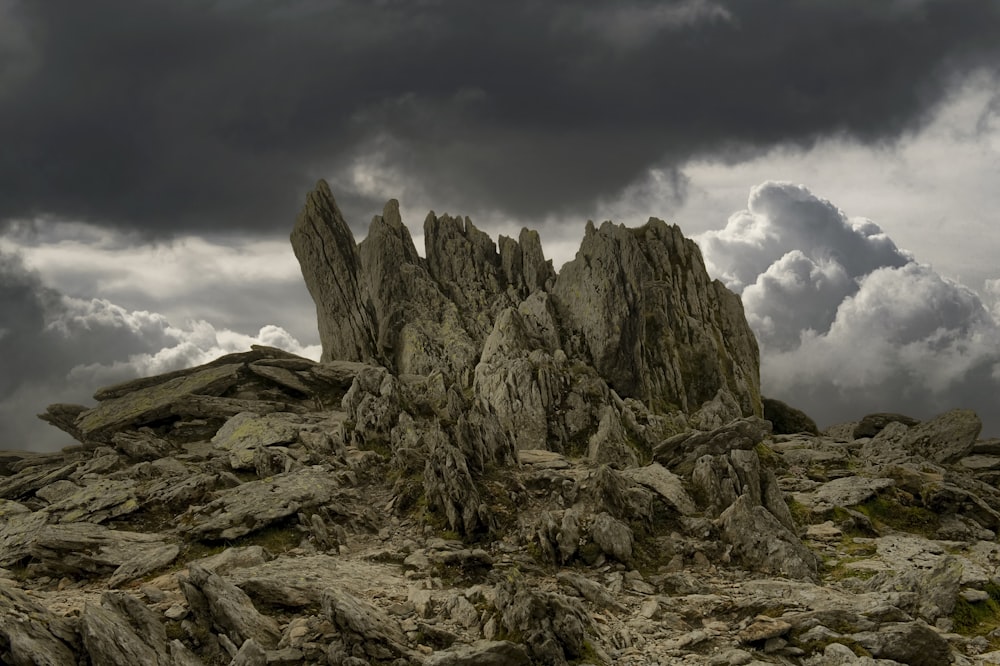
[[497, 464]]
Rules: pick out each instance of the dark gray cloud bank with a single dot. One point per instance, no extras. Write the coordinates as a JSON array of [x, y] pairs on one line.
[[156, 120], [186, 115]]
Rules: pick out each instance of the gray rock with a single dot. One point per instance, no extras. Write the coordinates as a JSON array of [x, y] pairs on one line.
[[609, 445], [86, 549], [229, 608], [681, 450], [97, 502], [281, 377], [419, 329], [717, 412], [325, 248], [244, 434], [250, 654], [142, 445], [463, 260], [36, 477], [373, 402], [568, 538], [786, 419], [553, 626], [911, 643], [64, 416], [450, 488], [521, 383], [257, 504], [145, 405], [613, 537], [481, 653], [652, 321], [364, 625], [123, 632], [844, 492], [667, 484], [873, 424], [143, 562], [30, 635], [18, 530], [946, 438], [762, 543], [718, 480], [590, 590], [523, 263]]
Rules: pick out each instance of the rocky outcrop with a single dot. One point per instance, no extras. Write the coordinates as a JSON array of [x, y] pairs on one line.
[[474, 484], [636, 305], [640, 306]]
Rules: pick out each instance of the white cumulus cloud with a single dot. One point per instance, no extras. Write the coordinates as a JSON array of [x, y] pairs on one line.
[[61, 349], [847, 322]]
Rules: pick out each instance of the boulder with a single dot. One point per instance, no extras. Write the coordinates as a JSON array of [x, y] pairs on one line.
[[553, 627], [613, 537], [946, 438], [228, 608], [683, 449], [787, 420], [762, 543], [667, 485], [362, 624], [245, 433], [911, 643], [873, 424]]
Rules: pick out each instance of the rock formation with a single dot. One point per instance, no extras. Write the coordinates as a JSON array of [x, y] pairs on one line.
[[495, 464]]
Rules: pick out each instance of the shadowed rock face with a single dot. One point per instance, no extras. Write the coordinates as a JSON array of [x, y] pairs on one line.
[[635, 304]]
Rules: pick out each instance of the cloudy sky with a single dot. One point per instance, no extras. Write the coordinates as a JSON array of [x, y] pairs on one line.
[[838, 161]]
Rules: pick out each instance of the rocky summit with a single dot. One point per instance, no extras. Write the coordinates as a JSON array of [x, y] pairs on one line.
[[497, 464]]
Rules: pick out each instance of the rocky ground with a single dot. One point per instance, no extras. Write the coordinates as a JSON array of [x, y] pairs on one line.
[[284, 536], [510, 467]]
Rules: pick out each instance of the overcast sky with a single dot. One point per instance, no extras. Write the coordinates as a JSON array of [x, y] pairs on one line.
[[838, 161]]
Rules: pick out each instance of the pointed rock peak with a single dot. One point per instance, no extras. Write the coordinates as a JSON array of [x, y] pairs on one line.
[[323, 188], [390, 213], [327, 254], [590, 230], [321, 198], [388, 238]]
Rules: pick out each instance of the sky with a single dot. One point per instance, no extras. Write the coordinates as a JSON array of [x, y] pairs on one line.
[[838, 162]]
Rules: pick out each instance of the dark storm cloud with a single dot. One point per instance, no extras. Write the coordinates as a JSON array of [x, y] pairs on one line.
[[180, 115]]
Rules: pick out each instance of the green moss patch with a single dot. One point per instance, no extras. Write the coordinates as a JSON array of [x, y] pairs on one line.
[[978, 618], [891, 510]]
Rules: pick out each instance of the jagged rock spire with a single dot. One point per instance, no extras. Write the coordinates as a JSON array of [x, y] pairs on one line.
[[325, 248]]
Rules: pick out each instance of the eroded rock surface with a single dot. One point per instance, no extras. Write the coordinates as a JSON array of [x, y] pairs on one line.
[[496, 464]]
